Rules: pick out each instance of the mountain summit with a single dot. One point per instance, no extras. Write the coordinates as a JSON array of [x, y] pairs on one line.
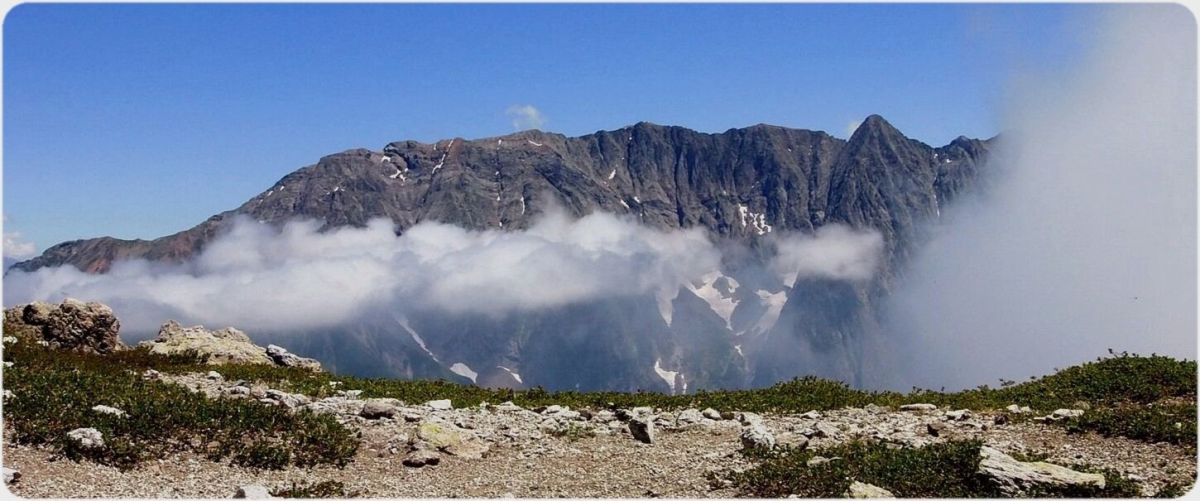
[[742, 186]]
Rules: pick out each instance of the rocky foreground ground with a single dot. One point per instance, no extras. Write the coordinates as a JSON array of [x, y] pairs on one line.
[[437, 449], [431, 450]]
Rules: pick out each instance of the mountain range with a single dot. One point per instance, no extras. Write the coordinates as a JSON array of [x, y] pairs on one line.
[[737, 327]]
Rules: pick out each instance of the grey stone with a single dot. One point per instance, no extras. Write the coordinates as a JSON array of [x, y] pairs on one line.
[[642, 428]]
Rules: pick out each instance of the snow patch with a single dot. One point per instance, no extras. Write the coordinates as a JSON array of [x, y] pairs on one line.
[[612, 174], [463, 370], [636, 199], [533, 142], [443, 159], [417, 338], [738, 348], [511, 373], [756, 220], [624, 204], [718, 293], [774, 302], [666, 375]]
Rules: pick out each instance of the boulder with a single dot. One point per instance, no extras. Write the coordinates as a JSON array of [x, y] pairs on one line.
[[1015, 409], [375, 409], [439, 436], [87, 438], [421, 457], [73, 325], [1014, 477], [439, 405], [860, 490], [918, 407], [11, 475], [469, 448], [254, 491], [285, 358], [756, 436], [225, 346], [642, 428], [691, 416], [711, 413], [936, 428]]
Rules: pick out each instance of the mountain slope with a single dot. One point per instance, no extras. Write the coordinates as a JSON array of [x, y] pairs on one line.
[[739, 327]]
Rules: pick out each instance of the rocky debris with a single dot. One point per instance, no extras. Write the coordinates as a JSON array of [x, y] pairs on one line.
[[439, 405], [421, 457], [826, 429], [918, 407], [87, 438], [375, 409], [11, 475], [288, 359], [936, 428], [468, 448], [253, 491], [1014, 477], [508, 406], [73, 325], [112, 411], [756, 436], [860, 490], [641, 427]]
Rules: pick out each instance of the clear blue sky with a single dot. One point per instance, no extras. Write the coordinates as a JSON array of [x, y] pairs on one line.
[[137, 121]]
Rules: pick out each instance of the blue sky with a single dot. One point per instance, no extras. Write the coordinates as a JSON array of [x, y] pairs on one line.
[[137, 121]]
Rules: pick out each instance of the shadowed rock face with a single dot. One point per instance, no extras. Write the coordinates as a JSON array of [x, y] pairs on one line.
[[670, 177], [740, 185]]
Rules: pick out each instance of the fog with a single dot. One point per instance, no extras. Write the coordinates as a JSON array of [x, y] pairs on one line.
[[261, 278], [1087, 238]]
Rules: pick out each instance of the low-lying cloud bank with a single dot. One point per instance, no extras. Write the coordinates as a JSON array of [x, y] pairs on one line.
[[1087, 239], [258, 277]]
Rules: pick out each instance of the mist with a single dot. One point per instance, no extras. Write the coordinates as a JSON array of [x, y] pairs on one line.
[[1086, 238], [262, 278]]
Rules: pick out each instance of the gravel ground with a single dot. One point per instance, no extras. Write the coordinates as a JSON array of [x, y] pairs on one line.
[[528, 455]]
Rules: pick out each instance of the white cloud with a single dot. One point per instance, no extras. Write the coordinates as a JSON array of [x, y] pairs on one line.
[[1087, 239], [525, 116], [834, 251], [261, 278], [16, 247]]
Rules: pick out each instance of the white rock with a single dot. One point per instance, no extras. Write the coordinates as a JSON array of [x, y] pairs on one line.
[[860, 490], [756, 436], [215, 376], [1066, 413], [1014, 477], [10, 340], [11, 475], [88, 438], [918, 407], [958, 415], [439, 405], [253, 492], [691, 416], [711, 413], [112, 411]]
